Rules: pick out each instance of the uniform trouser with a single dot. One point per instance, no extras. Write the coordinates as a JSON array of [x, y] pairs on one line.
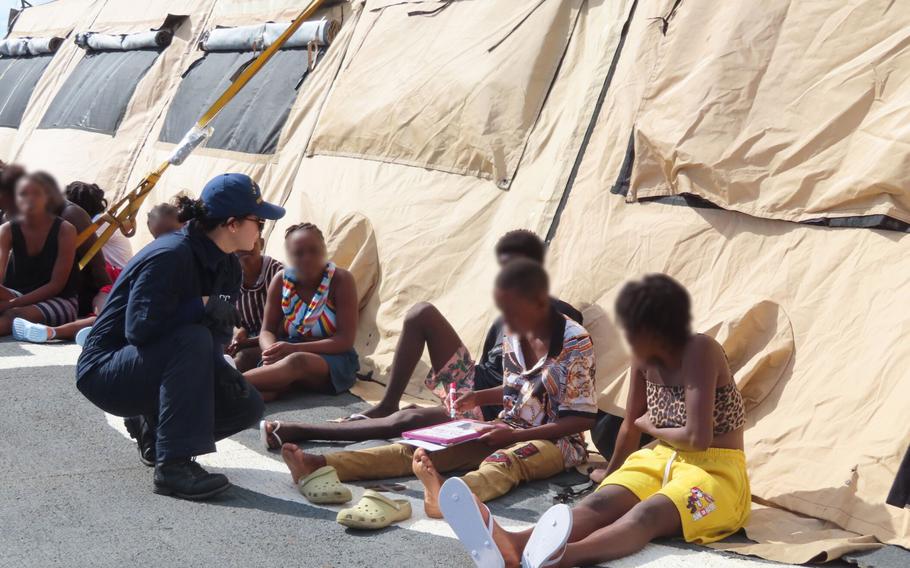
[[497, 473], [175, 383]]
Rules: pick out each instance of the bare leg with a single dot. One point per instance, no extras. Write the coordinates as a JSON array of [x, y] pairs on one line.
[[359, 430], [68, 331], [654, 517], [306, 370], [595, 511], [6, 294], [423, 325], [247, 359]]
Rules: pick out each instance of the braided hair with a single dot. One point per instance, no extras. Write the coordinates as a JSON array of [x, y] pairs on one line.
[[88, 196], [303, 227], [656, 303]]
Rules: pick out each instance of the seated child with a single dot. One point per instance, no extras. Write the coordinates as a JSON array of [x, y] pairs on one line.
[[309, 323], [424, 325], [117, 252], [37, 252], [162, 219], [547, 395], [258, 272], [693, 484], [94, 277]]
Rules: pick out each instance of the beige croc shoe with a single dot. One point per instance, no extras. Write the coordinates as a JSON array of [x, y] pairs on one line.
[[323, 487], [374, 511]]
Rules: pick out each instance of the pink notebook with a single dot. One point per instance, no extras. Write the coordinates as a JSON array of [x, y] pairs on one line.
[[447, 434]]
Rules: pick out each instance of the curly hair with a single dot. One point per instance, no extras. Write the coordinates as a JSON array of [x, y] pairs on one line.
[[189, 209], [88, 196], [521, 242], [656, 303], [303, 227]]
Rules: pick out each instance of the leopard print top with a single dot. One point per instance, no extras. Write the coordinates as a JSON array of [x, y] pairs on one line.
[[667, 406]]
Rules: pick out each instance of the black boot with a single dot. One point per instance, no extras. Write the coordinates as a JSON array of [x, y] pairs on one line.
[[144, 434], [186, 479]]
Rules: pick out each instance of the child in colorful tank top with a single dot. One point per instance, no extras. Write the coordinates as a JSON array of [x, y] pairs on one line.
[[310, 321]]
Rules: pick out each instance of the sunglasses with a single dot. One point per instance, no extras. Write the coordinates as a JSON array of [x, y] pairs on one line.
[[257, 220]]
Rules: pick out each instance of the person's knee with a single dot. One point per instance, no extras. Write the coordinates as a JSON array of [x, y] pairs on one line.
[[648, 513], [420, 313], [407, 420], [13, 313], [300, 362]]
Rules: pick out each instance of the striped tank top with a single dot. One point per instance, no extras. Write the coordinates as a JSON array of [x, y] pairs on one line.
[[316, 319]]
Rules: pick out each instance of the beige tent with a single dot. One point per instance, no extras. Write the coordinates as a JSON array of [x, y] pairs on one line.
[[429, 128]]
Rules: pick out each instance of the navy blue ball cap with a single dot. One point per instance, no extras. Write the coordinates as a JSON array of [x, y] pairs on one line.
[[237, 195]]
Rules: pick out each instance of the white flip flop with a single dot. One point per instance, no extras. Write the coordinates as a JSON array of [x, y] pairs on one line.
[[460, 510], [264, 434], [352, 418], [548, 541]]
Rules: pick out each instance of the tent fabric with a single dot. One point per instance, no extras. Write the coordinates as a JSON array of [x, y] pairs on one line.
[[452, 93], [18, 77], [808, 540], [154, 39], [784, 109], [96, 95], [808, 315], [253, 121], [260, 37], [57, 19], [105, 158]]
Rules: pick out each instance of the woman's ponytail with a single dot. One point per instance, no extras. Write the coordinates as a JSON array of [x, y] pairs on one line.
[[189, 209]]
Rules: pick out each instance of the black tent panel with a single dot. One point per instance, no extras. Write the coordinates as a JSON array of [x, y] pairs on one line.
[[96, 94], [18, 77], [252, 122]]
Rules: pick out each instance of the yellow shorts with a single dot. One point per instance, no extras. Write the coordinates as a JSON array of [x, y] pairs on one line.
[[710, 489]]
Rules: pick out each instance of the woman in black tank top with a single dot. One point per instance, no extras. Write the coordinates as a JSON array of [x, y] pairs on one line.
[[37, 251]]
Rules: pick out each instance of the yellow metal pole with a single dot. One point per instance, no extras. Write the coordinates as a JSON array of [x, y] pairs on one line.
[[127, 207]]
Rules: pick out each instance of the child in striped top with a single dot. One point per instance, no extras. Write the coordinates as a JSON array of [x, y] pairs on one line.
[[258, 272]]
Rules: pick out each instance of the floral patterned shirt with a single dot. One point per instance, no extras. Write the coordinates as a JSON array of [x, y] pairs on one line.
[[559, 384]]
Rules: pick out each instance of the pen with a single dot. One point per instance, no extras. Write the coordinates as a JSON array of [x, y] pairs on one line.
[[452, 400]]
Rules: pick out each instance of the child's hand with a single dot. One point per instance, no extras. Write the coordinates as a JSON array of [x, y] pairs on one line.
[[466, 402], [277, 351], [501, 437], [644, 423]]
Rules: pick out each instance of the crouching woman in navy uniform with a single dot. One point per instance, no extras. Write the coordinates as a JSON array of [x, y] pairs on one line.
[[156, 349]]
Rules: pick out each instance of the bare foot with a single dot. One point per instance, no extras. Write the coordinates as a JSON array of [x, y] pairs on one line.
[[432, 482], [270, 439], [378, 411], [299, 462], [510, 544], [598, 475]]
